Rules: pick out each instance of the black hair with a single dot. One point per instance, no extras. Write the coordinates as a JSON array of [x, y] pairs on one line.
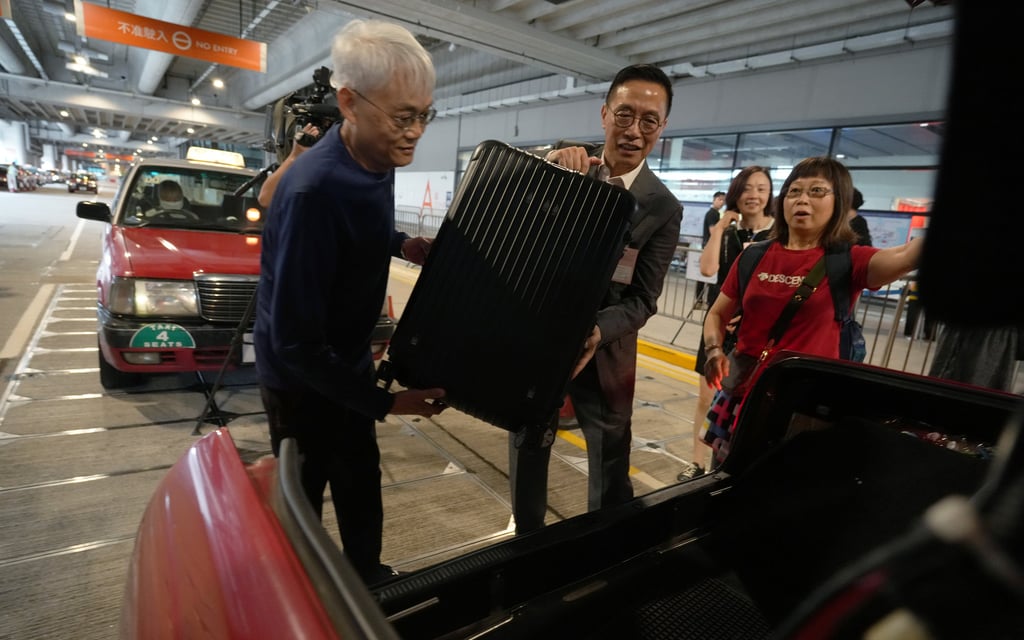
[[858, 200], [837, 230], [648, 72]]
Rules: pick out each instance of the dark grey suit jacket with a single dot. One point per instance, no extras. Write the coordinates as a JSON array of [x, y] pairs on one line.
[[654, 232]]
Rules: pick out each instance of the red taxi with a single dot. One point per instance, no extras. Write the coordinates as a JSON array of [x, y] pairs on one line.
[[179, 266]]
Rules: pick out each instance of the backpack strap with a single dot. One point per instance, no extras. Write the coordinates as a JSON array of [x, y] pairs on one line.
[[747, 262], [839, 268]]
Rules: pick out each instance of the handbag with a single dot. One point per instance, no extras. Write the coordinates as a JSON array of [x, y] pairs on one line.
[[721, 419]]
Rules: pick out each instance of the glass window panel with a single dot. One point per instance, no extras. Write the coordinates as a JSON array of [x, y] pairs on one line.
[[782, 148], [698, 152], [461, 161], [916, 145], [694, 188], [656, 158], [905, 190]]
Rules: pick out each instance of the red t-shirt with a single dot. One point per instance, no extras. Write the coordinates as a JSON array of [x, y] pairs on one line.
[[813, 330]]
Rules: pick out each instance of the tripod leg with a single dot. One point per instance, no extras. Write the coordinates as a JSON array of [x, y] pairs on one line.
[[236, 343]]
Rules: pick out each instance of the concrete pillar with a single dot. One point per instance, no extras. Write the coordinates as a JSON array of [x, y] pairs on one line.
[[12, 142], [49, 160]]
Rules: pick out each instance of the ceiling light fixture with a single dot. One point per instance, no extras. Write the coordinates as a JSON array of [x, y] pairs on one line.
[[64, 113], [79, 50], [218, 83], [195, 101], [86, 69]]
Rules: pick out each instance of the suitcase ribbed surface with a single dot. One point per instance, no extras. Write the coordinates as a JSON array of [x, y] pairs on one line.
[[511, 287]]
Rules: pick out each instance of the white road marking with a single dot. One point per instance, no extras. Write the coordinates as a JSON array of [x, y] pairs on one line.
[[16, 342], [64, 257]]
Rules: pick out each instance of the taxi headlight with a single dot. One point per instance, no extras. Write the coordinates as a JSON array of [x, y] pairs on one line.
[[153, 298]]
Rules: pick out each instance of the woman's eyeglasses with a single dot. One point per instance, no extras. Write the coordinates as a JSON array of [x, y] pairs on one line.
[[813, 192]]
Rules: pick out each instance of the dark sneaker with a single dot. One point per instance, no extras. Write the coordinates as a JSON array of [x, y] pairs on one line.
[[692, 471]]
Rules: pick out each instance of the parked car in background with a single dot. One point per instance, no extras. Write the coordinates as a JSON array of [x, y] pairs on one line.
[[26, 178], [82, 181]]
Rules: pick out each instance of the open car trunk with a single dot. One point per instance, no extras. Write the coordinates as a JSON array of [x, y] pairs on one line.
[[830, 462]]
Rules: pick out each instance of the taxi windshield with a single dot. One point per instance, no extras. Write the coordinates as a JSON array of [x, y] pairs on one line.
[[184, 198]]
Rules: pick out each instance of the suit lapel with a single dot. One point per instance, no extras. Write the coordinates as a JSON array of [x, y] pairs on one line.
[[641, 190]]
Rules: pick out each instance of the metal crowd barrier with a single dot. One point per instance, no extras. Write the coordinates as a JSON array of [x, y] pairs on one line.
[[898, 334], [417, 222]]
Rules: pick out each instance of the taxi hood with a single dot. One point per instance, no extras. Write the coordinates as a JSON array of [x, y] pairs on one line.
[[154, 252]]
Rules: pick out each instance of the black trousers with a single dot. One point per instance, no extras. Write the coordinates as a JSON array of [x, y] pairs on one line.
[[609, 436], [339, 448]]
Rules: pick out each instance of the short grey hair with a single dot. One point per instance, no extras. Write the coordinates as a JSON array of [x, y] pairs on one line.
[[367, 54]]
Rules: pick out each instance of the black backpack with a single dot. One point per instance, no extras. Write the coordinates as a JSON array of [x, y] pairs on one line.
[[839, 269]]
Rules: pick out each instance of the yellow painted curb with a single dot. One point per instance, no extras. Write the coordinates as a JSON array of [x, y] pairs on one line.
[[409, 274], [671, 356]]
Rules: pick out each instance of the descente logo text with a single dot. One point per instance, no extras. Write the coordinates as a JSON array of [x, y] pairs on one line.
[[790, 281]]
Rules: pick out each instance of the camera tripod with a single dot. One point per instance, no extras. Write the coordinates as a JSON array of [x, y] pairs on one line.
[[211, 412]]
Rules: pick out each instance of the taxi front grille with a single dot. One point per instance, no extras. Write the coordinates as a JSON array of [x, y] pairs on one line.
[[224, 298]]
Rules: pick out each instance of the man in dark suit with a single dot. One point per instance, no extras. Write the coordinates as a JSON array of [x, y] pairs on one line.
[[633, 116]]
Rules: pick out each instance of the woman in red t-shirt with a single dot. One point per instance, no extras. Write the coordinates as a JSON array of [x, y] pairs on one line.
[[810, 217]]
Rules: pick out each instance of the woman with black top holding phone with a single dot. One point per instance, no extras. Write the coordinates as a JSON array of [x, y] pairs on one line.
[[748, 218]]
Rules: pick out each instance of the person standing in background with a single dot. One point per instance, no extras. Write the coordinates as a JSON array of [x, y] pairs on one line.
[[633, 116], [857, 221], [747, 219], [982, 356], [303, 139], [324, 266], [12, 176], [706, 292]]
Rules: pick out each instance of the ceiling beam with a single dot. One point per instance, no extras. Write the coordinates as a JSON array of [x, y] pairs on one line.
[[464, 24], [83, 102]]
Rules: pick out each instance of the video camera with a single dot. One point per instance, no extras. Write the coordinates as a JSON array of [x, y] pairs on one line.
[[288, 115]]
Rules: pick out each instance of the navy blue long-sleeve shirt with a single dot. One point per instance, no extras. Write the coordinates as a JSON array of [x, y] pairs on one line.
[[327, 246]]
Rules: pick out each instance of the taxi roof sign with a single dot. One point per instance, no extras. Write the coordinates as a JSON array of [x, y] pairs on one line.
[[215, 156]]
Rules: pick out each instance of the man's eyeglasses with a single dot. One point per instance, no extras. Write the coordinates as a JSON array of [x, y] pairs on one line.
[[625, 119], [813, 192], [403, 122]]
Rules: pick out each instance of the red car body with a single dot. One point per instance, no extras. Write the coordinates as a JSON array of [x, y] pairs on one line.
[[230, 550], [194, 574]]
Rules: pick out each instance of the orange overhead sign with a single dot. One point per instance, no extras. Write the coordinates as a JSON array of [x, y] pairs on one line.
[[82, 153], [99, 22]]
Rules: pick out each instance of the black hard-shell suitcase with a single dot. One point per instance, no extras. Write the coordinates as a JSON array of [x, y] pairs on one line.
[[511, 287]]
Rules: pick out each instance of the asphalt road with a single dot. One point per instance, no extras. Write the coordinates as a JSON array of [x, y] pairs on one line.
[[78, 464]]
